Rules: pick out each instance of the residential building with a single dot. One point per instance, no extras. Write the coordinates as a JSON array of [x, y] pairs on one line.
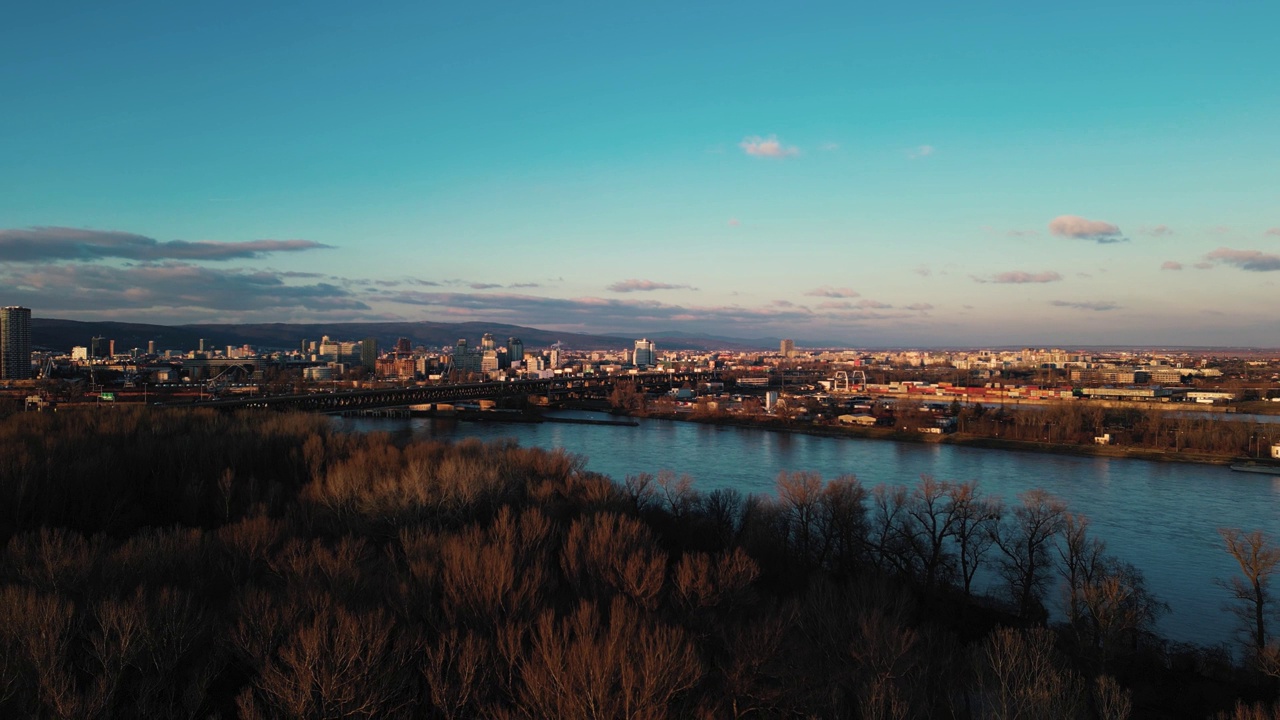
[[15, 343]]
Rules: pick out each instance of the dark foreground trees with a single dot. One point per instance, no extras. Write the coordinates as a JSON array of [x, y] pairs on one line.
[[167, 564]]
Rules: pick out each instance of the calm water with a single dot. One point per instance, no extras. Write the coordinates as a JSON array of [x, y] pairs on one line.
[[1162, 517]]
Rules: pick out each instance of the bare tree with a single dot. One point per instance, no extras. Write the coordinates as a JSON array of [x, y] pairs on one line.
[[932, 522], [886, 534], [1025, 540], [1079, 557], [800, 494], [977, 518], [1022, 678], [1259, 559]]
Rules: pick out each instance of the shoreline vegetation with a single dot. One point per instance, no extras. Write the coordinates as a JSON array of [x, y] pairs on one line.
[[959, 439], [188, 563], [1144, 433]]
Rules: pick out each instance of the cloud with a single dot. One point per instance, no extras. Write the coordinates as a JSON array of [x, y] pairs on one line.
[[1074, 226], [620, 314], [1203, 265], [1273, 231], [921, 151], [923, 270], [1251, 260], [1171, 265], [43, 244], [483, 286], [1157, 231], [833, 292], [1022, 233], [175, 288], [525, 285], [767, 147], [920, 306], [1019, 277], [1095, 306], [734, 222], [1220, 229], [829, 146], [633, 285], [873, 305]]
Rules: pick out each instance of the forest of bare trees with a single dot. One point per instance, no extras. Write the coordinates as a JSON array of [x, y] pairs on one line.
[[164, 563]]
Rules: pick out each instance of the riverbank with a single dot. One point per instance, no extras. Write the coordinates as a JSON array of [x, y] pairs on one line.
[[961, 439]]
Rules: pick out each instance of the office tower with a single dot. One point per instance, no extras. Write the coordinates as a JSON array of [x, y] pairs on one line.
[[646, 354], [369, 352], [201, 344], [487, 343], [15, 343], [515, 350], [788, 348], [151, 347]]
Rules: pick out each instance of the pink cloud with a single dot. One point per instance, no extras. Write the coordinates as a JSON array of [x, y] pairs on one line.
[[767, 147], [1171, 265], [1251, 260], [1074, 226]]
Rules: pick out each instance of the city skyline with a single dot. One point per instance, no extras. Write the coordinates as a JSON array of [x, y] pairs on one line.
[[989, 175]]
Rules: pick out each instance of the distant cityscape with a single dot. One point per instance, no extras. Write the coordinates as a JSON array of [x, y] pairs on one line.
[[817, 381]]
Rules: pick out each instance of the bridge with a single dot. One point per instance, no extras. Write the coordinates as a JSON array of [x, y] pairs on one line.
[[342, 401]]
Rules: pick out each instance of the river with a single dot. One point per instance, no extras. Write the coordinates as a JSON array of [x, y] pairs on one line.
[[1161, 517]]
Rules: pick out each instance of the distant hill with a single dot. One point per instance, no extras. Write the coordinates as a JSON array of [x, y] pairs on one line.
[[62, 335]]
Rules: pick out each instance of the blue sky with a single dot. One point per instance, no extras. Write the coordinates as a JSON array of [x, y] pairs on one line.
[[865, 174]]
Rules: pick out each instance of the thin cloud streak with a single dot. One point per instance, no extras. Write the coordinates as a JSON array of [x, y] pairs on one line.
[[636, 285], [1018, 277], [1096, 306], [833, 292], [44, 244]]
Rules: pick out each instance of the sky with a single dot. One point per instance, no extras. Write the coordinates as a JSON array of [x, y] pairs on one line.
[[860, 174]]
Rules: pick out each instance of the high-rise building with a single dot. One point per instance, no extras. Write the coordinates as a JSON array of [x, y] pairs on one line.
[[788, 348], [646, 354], [515, 350], [151, 347], [15, 343], [487, 343], [369, 352]]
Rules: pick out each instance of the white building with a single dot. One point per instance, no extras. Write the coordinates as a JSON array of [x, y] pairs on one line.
[[646, 354]]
